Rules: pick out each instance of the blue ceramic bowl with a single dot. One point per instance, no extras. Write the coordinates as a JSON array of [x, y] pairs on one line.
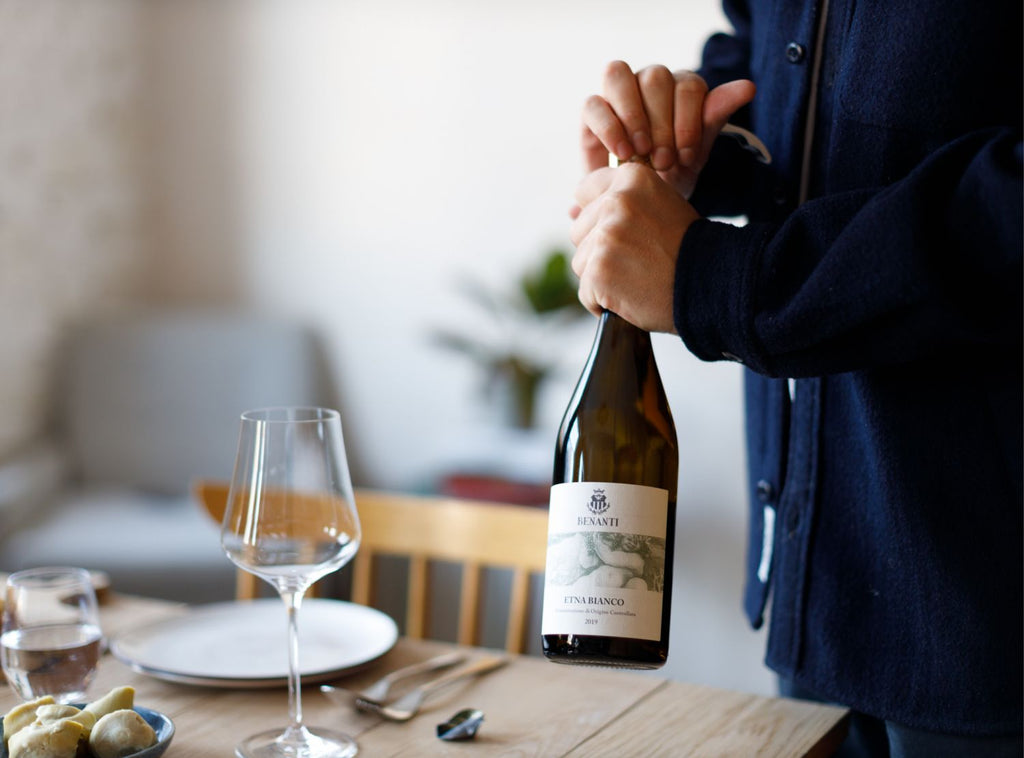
[[161, 724]]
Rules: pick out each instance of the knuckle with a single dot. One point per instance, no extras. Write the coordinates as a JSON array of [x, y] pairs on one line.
[[630, 175], [661, 132], [632, 116], [688, 82], [625, 206], [613, 206], [618, 214], [617, 69], [601, 270], [656, 76], [687, 135], [578, 263], [589, 140]]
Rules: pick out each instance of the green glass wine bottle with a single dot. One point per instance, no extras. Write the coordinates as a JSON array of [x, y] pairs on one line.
[[608, 583]]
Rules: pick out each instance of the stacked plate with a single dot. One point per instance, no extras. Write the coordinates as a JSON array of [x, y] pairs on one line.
[[245, 644]]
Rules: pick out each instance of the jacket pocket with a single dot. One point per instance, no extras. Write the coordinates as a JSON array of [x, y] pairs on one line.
[[935, 68]]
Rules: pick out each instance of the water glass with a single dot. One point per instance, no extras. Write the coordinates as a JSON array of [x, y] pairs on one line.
[[51, 640]]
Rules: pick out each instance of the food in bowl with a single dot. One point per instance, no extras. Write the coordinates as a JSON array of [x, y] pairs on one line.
[[120, 733], [105, 728]]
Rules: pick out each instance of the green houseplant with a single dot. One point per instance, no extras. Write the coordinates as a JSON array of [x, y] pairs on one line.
[[514, 361]]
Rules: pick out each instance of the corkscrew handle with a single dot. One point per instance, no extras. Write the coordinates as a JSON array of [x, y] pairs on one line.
[[748, 141]]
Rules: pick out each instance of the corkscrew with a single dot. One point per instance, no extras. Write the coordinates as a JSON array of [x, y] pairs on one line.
[[748, 141]]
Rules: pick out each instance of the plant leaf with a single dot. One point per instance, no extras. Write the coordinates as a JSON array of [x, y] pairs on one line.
[[552, 286]]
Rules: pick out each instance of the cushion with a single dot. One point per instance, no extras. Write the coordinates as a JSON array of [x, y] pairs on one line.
[[152, 545], [153, 400]]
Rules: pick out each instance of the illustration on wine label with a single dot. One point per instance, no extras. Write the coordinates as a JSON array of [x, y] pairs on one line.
[[606, 560]]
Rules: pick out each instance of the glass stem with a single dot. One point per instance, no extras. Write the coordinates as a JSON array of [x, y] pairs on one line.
[[292, 601]]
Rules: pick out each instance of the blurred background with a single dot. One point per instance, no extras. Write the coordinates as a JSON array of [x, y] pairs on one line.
[[347, 166]]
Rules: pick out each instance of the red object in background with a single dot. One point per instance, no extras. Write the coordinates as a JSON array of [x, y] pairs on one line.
[[495, 489]]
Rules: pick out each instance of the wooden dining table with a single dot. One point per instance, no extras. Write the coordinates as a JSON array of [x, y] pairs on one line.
[[532, 708]]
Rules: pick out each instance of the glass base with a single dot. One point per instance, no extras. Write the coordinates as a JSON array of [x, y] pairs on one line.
[[297, 742]]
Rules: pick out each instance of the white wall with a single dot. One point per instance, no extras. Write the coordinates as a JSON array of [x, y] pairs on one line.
[[349, 161], [71, 194]]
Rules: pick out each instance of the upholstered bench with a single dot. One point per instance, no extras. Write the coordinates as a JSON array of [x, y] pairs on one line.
[[147, 403]]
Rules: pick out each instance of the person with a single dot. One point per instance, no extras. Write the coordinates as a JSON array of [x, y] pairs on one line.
[[874, 299]]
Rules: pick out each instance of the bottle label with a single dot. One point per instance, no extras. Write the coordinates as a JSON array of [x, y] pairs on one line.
[[605, 570]]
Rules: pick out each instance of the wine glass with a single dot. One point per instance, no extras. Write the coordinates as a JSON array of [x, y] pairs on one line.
[[290, 520], [51, 640]]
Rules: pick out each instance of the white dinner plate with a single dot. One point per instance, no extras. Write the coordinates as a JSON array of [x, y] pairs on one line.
[[245, 644]]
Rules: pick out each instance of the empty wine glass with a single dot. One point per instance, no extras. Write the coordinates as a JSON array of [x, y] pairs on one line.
[[290, 520]]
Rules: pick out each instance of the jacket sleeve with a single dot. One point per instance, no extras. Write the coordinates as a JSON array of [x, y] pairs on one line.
[[867, 278]]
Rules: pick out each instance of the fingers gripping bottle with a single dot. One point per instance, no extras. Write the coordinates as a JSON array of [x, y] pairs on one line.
[[608, 582]]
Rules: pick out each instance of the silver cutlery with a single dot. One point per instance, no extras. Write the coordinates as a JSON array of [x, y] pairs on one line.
[[405, 707], [379, 690]]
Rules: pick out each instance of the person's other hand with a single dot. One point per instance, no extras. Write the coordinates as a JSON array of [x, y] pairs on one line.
[[671, 118], [627, 236]]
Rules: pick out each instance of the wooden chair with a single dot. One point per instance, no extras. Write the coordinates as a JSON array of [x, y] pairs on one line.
[[474, 534], [213, 496]]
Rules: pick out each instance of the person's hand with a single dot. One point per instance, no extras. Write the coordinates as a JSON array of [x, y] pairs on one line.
[[671, 118], [627, 236]]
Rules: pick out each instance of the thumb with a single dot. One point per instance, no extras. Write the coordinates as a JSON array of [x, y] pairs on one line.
[[723, 101]]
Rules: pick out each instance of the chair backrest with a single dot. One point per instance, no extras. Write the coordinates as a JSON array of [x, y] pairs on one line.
[[474, 534], [213, 496]]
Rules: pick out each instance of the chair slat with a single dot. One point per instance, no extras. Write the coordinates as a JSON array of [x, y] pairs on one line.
[[469, 605], [515, 634], [362, 574], [245, 585], [416, 604]]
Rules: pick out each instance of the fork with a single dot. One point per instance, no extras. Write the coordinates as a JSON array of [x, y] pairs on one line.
[[379, 690], [405, 707]]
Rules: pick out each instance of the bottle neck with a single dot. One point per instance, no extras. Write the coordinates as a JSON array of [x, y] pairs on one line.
[[615, 327]]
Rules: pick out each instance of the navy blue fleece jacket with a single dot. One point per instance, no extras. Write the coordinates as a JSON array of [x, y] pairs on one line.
[[881, 269]]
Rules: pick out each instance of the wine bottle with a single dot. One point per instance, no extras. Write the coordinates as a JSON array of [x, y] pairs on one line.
[[608, 582]]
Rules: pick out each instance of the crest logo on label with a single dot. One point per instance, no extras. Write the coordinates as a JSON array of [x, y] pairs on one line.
[[598, 502]]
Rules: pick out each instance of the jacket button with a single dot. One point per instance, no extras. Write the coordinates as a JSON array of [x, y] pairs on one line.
[[795, 52], [765, 491]]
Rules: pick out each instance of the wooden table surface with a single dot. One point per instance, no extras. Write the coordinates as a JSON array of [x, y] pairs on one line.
[[532, 707]]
